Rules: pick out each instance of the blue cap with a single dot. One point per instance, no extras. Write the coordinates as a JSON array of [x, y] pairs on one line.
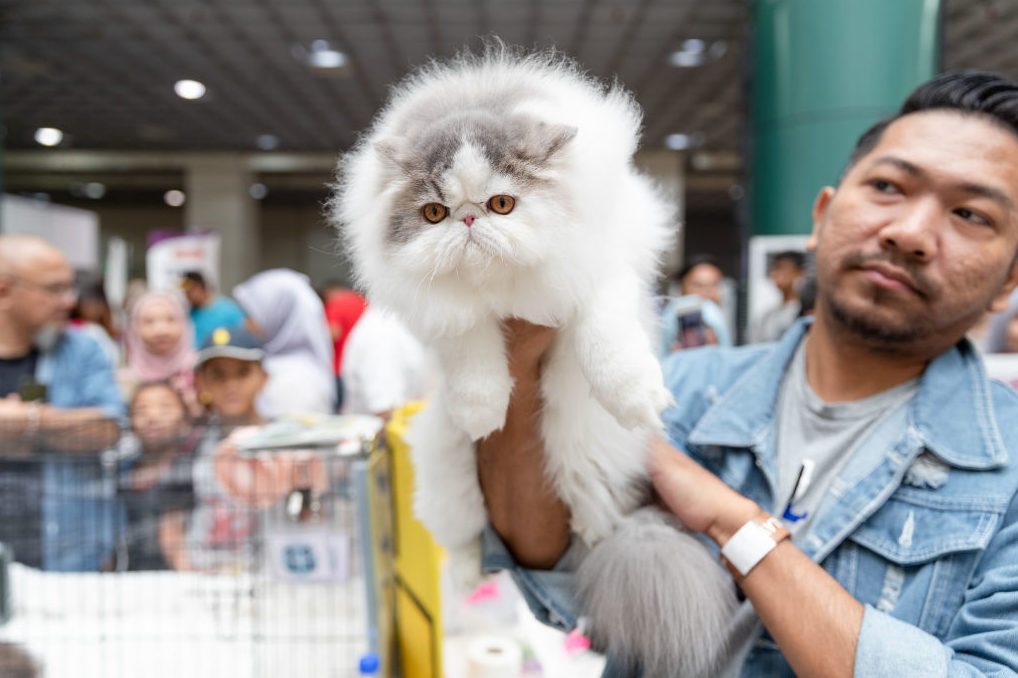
[[369, 664], [232, 342]]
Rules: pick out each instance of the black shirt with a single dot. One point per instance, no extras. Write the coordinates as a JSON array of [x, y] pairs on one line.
[[17, 372]]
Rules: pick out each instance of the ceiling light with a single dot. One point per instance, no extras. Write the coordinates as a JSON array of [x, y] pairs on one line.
[[326, 58], [174, 198], [94, 190], [189, 89], [693, 46], [258, 191], [48, 136], [684, 59], [267, 142], [678, 142]]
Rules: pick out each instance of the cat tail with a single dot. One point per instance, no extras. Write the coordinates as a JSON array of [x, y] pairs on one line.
[[653, 597]]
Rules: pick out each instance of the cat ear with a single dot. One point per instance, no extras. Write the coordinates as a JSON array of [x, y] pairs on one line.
[[543, 141]]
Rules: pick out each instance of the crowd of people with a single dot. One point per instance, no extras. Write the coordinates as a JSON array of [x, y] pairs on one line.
[[115, 423]]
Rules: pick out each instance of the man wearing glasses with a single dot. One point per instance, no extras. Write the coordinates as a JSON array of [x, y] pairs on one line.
[[57, 395]]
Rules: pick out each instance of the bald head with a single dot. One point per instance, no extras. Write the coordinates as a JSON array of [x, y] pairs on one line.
[[36, 289], [20, 252]]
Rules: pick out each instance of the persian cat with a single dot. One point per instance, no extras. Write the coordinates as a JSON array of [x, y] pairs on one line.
[[502, 185]]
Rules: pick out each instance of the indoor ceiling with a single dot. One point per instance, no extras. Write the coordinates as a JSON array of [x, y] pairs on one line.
[[104, 70]]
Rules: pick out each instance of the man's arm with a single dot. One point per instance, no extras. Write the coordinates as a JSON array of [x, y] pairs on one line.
[[525, 511], [30, 427], [815, 622]]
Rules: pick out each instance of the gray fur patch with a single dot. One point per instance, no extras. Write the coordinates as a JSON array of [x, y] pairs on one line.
[[927, 471], [516, 146], [656, 599]]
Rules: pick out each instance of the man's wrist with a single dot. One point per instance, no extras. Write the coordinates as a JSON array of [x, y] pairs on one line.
[[731, 519]]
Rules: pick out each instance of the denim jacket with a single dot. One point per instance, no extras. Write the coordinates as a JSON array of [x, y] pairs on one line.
[[921, 526], [80, 512]]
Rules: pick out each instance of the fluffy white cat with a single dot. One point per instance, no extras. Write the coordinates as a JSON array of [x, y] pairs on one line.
[[500, 186]]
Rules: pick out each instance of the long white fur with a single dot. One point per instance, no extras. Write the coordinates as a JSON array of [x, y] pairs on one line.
[[583, 260]]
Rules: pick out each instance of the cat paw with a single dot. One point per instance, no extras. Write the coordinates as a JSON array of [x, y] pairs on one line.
[[478, 413], [637, 401], [464, 567]]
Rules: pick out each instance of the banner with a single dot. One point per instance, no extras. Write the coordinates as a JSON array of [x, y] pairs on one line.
[[167, 260]]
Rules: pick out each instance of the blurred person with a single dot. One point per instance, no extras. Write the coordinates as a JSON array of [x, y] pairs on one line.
[[787, 272], [701, 276], [284, 311], [57, 394], [157, 488], [343, 308], [229, 376], [1002, 332], [691, 321], [208, 309], [384, 365], [92, 315], [159, 347]]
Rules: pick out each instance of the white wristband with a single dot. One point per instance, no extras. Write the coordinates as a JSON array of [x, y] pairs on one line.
[[752, 542]]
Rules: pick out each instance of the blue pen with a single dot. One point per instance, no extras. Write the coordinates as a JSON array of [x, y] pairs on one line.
[[802, 481]]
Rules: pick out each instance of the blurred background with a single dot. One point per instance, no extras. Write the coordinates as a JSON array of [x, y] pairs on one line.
[[229, 114]]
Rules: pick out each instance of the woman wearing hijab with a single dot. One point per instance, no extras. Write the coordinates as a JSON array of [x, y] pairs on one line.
[[285, 312], [159, 344]]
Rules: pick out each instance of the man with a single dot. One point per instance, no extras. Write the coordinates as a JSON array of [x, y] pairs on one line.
[[59, 395], [787, 272], [695, 317], [905, 538], [208, 309]]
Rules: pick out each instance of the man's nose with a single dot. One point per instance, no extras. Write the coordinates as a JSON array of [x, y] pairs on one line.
[[914, 232]]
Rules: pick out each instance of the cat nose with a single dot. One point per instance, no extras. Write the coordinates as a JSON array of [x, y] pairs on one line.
[[469, 219]]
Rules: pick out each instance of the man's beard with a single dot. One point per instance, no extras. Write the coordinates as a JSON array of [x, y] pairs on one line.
[[873, 330], [894, 335]]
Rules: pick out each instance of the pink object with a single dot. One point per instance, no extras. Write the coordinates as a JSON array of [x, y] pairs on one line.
[[576, 642], [469, 219], [484, 592]]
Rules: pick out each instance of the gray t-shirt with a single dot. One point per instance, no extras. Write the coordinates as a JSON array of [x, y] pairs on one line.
[[815, 440]]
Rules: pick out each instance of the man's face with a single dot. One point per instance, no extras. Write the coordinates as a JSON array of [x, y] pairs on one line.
[[785, 274], [919, 238], [231, 385], [40, 292], [196, 294], [704, 281]]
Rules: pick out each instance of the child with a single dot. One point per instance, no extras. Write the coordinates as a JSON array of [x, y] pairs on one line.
[[158, 490], [228, 378]]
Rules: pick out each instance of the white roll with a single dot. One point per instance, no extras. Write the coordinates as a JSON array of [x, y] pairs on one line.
[[494, 657]]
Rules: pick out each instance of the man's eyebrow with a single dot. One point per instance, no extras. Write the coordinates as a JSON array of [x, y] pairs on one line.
[[980, 190]]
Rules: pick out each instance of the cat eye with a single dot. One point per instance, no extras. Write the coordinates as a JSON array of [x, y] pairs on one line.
[[434, 212], [502, 204]]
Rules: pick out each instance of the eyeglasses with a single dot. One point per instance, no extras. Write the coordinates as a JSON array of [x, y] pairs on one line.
[[61, 290]]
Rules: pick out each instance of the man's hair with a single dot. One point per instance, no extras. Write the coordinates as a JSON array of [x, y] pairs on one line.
[[991, 96], [797, 258], [694, 261], [196, 278]]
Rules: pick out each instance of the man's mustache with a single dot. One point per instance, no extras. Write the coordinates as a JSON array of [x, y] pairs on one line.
[[918, 279]]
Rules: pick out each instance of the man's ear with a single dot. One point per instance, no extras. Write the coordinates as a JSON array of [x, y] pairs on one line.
[[820, 205], [1001, 301]]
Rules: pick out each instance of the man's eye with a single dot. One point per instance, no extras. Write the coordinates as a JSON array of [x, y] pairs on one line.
[[973, 217], [884, 186]]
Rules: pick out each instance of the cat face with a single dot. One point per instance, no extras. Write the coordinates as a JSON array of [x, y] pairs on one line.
[[475, 192]]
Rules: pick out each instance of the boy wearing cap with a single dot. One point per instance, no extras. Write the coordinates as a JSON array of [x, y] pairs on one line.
[[229, 375]]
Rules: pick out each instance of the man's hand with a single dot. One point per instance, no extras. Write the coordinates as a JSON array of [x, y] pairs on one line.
[[526, 345], [695, 495], [527, 514]]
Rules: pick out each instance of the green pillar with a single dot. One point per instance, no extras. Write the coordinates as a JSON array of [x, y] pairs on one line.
[[823, 72]]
